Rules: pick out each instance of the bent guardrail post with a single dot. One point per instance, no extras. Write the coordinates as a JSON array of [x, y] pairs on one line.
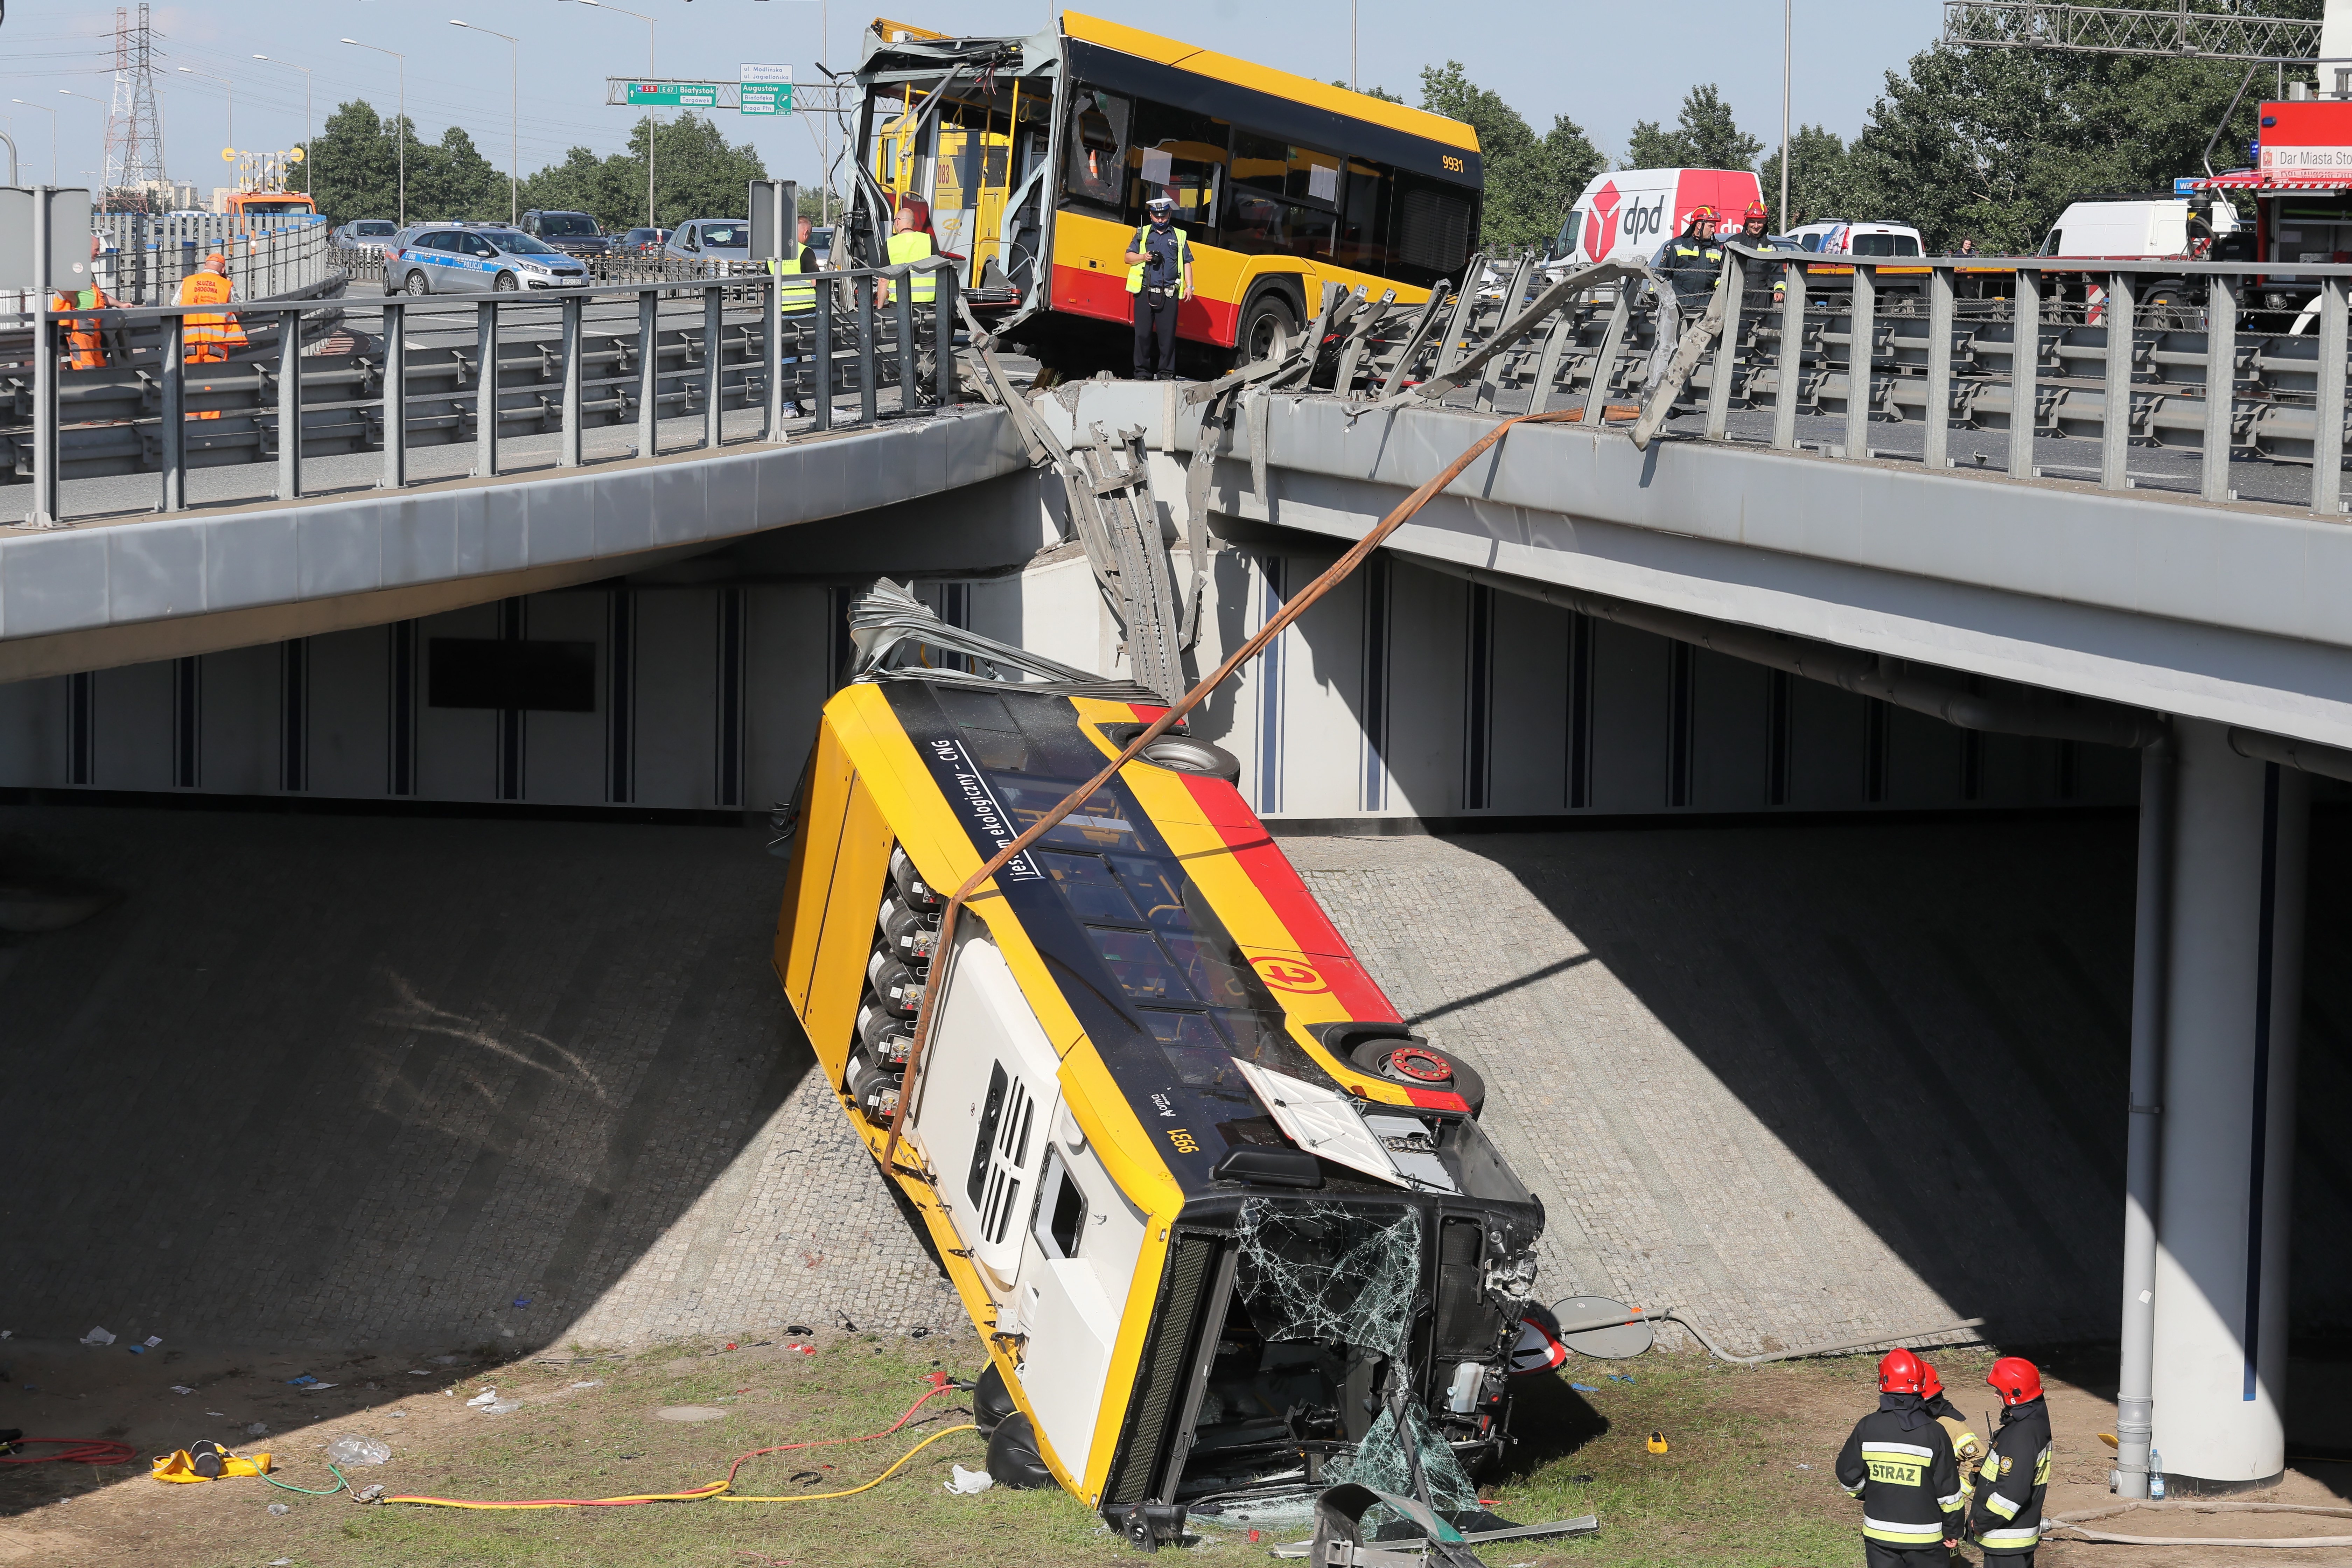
[[2327, 411], [2221, 388], [2120, 319], [290, 406], [1861, 357], [1793, 356], [648, 373], [46, 452], [171, 439], [2024, 371], [771, 357], [486, 389], [396, 394], [1613, 343], [1938, 435]]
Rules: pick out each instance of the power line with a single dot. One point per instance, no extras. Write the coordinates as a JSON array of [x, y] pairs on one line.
[[134, 133]]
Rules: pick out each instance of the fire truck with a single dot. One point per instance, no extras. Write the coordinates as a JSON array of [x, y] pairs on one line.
[[2295, 202]]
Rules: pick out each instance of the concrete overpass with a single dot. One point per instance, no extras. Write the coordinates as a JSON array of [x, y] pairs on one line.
[[1711, 626]]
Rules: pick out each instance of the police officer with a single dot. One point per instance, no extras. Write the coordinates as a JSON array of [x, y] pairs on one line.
[[2016, 1470], [1686, 267], [1899, 1463], [1160, 275]]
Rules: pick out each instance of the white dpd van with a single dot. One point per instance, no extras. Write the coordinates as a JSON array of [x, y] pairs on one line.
[[1626, 212]]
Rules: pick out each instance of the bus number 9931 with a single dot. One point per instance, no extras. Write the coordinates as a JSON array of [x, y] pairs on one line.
[[1185, 1142], [1453, 165]]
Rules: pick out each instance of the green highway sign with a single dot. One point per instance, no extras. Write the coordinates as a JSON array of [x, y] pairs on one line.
[[676, 94], [767, 98]]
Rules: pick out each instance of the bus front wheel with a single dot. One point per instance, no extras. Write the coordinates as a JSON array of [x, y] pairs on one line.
[[1267, 320]]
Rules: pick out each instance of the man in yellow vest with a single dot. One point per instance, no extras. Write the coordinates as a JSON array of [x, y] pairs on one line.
[[1160, 275], [909, 243], [208, 336], [793, 297]]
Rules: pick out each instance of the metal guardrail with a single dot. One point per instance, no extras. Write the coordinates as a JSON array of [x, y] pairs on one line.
[[144, 257], [151, 410], [1869, 342]]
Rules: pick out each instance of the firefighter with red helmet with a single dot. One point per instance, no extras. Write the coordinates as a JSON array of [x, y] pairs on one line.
[[1899, 1463], [2016, 1470], [1686, 267], [1754, 226]]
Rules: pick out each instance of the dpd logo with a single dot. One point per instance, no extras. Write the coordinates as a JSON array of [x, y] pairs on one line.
[[1603, 226], [1645, 221]]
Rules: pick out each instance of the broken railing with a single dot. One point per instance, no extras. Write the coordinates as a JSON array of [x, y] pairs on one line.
[[400, 374], [1821, 353]]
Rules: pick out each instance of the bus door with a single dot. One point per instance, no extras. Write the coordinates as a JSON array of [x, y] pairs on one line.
[[974, 170]]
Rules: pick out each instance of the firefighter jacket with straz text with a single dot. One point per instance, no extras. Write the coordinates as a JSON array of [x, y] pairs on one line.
[[1689, 267], [2010, 1484], [1900, 1464]]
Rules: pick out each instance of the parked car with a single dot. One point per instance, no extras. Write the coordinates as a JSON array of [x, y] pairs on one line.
[[641, 242], [1836, 236], [366, 234], [448, 259], [711, 239], [572, 233]]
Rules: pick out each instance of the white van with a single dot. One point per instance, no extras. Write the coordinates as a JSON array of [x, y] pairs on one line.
[[1836, 236], [1629, 213], [2136, 230]]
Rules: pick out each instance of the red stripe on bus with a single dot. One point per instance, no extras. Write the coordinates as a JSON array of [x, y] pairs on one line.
[[1102, 293], [1276, 881]]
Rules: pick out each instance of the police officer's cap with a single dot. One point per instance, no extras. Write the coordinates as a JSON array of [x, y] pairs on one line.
[[1160, 205]]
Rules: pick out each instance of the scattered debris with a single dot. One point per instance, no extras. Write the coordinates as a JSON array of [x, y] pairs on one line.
[[592, 1382], [689, 1413], [152, 1341], [419, 1371], [352, 1448], [314, 1386], [502, 1407], [280, 1509], [370, 1495], [447, 1360], [970, 1483], [522, 1301], [487, 1396], [305, 1381], [257, 1430], [1804, 1467], [1583, 1388], [98, 1337], [796, 1329], [1658, 1442], [807, 1478], [181, 1388]]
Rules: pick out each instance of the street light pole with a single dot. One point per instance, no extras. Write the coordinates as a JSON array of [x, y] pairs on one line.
[[651, 222], [53, 134], [309, 182], [399, 127], [1788, 44], [228, 90], [1351, 48], [514, 114]]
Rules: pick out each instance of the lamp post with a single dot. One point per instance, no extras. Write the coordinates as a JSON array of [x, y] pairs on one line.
[[399, 127], [228, 90], [599, 5], [1788, 43], [308, 181], [514, 113], [53, 134]]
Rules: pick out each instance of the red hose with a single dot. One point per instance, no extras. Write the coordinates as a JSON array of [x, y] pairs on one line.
[[78, 1451]]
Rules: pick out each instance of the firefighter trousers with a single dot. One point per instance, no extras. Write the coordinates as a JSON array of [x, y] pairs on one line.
[[1877, 1554]]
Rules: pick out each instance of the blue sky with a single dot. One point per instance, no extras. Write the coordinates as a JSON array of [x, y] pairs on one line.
[[1605, 65]]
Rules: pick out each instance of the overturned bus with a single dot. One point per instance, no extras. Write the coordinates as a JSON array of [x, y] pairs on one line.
[[1224, 1223]]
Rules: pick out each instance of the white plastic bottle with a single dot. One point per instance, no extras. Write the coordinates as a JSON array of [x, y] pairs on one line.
[[2154, 1475]]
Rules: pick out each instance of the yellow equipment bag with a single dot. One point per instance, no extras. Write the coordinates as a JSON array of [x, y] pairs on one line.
[[207, 1462]]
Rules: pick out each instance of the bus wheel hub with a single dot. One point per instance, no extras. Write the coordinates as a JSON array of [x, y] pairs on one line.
[[1417, 1064]]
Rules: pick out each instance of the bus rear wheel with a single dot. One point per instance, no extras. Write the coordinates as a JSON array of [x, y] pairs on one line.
[[1266, 320]]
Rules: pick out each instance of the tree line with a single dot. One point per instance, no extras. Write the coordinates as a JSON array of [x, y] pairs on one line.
[[354, 170], [1978, 143]]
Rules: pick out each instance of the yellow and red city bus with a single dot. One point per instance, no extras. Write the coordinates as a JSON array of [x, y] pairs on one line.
[[1217, 1211], [1031, 158]]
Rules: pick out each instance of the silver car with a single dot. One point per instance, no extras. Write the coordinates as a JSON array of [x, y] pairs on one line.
[[711, 240], [365, 234], [446, 259]]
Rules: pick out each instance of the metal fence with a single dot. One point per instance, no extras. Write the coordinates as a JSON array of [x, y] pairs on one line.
[[1888, 359], [409, 374], [143, 258]]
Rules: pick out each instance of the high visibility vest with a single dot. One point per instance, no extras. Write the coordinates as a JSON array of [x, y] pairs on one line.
[[209, 337], [795, 296], [82, 332], [1183, 257], [913, 245]]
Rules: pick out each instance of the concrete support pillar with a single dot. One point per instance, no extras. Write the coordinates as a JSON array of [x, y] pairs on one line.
[[2234, 996]]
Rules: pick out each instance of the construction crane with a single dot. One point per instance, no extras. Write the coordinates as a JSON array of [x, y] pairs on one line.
[[2179, 32]]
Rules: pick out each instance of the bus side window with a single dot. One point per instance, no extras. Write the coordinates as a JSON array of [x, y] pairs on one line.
[[1434, 228], [1098, 142], [1181, 154]]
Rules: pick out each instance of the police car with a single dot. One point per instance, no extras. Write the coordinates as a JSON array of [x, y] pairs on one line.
[[454, 259]]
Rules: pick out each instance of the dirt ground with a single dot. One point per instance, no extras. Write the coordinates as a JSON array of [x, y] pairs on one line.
[[1745, 1481]]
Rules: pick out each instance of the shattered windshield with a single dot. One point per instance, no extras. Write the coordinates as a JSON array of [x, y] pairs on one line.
[[1332, 1273]]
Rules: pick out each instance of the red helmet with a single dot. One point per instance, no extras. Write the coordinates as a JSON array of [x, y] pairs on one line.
[[1930, 1384], [2017, 1379], [1703, 210], [1756, 209], [1900, 1372]]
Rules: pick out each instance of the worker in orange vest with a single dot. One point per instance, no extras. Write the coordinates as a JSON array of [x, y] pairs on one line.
[[209, 337], [85, 347]]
